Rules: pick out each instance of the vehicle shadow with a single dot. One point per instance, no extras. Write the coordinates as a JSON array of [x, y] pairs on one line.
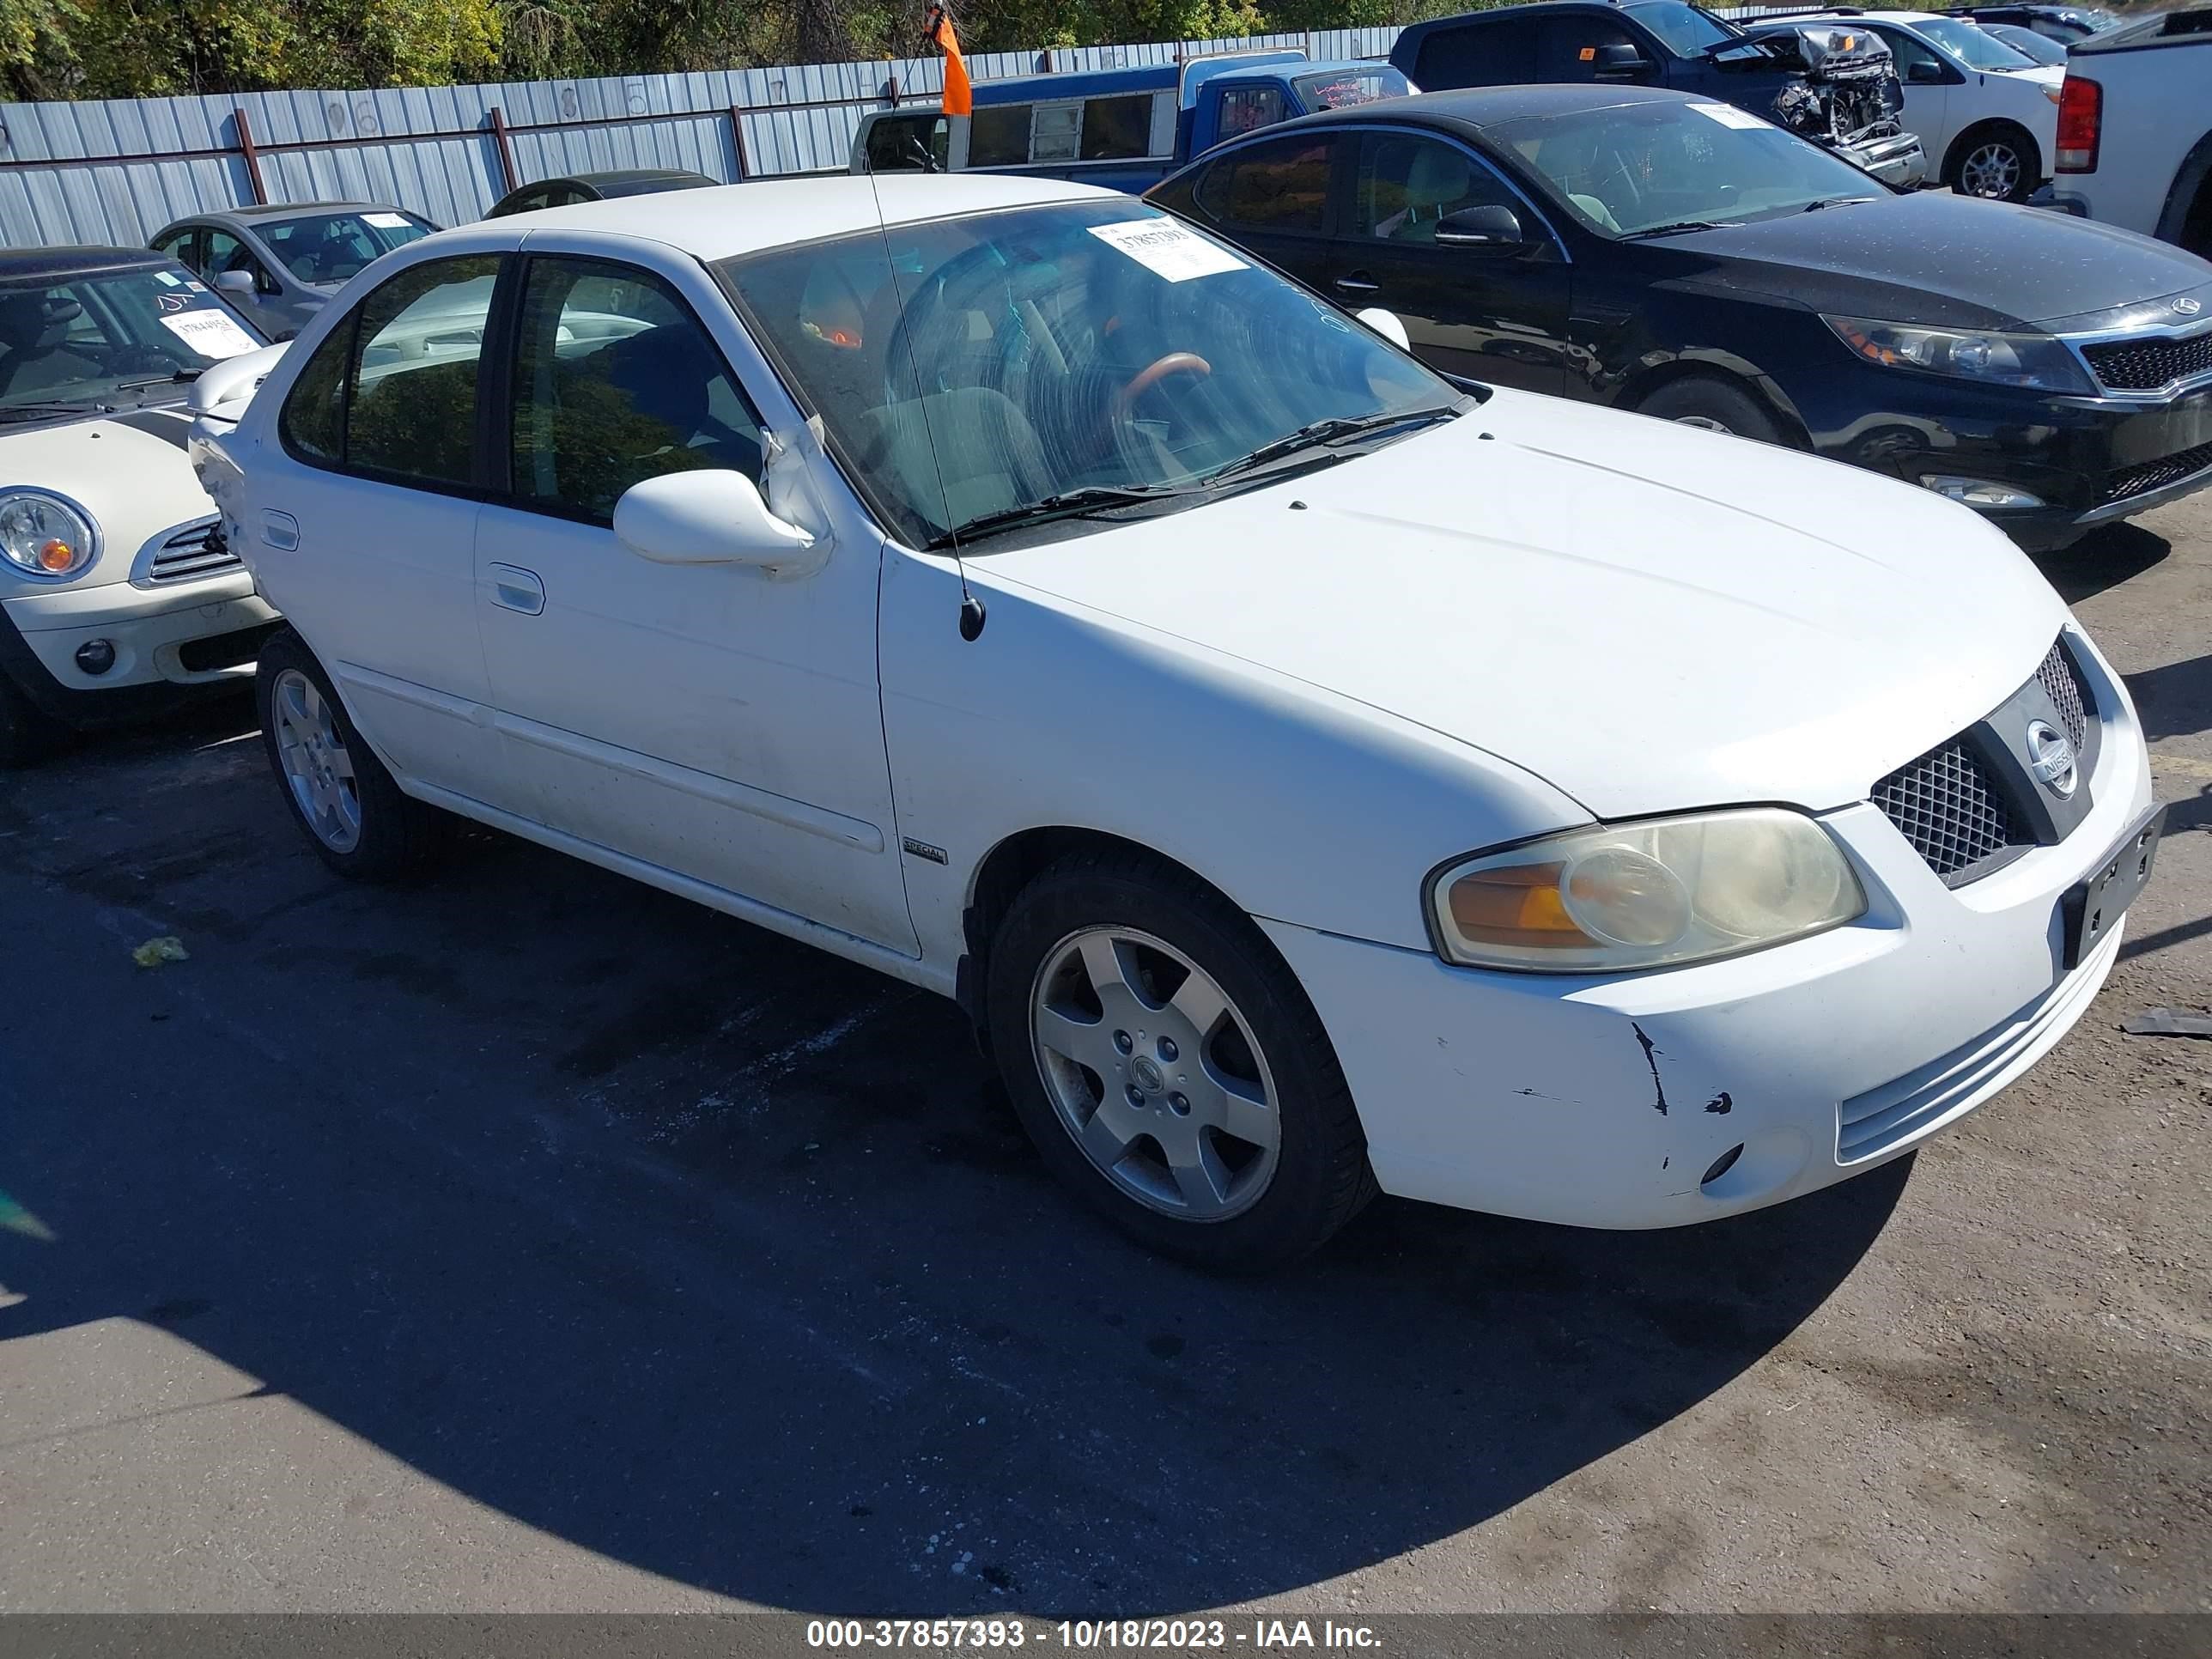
[[2175, 701], [2103, 558], [717, 1257]]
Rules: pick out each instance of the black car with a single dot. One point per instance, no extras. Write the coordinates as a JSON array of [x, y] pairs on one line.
[[1838, 87], [596, 187], [1665, 254]]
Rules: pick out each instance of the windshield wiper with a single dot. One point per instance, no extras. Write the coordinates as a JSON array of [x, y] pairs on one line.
[[182, 377], [1837, 201], [1679, 226], [48, 408], [1323, 434], [1065, 505]]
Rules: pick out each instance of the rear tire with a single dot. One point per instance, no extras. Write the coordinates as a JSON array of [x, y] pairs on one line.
[[1994, 162], [27, 734], [1168, 1066], [361, 823], [1717, 406]]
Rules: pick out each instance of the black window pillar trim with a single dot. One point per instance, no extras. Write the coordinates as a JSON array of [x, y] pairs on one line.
[[494, 447]]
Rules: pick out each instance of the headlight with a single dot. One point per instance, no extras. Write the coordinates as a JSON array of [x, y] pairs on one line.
[[44, 535], [1666, 890], [2024, 360]]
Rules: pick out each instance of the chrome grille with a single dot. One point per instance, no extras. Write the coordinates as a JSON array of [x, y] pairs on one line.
[[2156, 475], [197, 550], [2146, 365], [1945, 805], [2063, 686]]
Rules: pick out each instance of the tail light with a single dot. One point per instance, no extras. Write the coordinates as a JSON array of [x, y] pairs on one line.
[[2080, 124]]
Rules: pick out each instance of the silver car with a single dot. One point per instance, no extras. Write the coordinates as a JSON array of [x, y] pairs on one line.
[[280, 263]]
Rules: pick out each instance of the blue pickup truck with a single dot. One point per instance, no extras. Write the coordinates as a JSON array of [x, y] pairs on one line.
[[1127, 129]]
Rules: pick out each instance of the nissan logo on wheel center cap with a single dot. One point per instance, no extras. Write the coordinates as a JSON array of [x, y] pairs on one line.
[[2050, 758]]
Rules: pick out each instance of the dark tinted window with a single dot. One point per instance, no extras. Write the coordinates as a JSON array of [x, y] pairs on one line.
[[526, 201], [998, 136], [411, 397], [1567, 47], [615, 382], [1117, 129], [1479, 55], [313, 420], [900, 143], [1281, 185], [1247, 109]]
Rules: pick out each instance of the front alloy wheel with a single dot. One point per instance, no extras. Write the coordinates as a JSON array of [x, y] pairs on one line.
[[1155, 1075], [1991, 170]]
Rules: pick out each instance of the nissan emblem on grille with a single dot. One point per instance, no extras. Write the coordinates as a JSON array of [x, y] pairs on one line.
[[2050, 759]]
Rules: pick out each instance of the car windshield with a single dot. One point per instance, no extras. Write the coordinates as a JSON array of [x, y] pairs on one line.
[[1026, 354], [1340, 89], [2027, 42], [1972, 42], [1645, 168], [330, 248], [1683, 28], [89, 339]]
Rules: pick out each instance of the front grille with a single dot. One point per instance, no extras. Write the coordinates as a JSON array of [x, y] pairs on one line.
[[2156, 475], [2147, 364], [197, 551], [2064, 688], [1945, 805]]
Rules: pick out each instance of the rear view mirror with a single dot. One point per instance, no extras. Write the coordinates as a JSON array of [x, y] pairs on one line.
[[1922, 73], [1621, 62], [712, 516], [236, 281], [1386, 324], [1492, 228]]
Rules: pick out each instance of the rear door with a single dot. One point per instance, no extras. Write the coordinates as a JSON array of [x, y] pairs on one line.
[[1273, 196], [1499, 317]]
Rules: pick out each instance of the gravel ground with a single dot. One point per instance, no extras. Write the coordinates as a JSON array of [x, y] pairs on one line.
[[529, 1240]]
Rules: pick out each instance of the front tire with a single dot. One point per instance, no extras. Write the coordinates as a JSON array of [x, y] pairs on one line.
[[1168, 1066], [27, 734], [1714, 406], [361, 823], [1995, 163]]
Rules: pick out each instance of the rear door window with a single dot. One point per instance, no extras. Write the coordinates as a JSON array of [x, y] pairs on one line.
[[1501, 54], [1278, 185]]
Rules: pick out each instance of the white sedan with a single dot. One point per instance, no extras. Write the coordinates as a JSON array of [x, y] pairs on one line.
[[1312, 776]]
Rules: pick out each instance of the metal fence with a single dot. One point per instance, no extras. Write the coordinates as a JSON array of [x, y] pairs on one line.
[[116, 171]]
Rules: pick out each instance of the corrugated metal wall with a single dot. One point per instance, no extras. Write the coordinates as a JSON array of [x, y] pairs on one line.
[[116, 171]]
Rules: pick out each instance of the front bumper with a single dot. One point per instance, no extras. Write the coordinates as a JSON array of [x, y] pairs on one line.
[[1604, 1103], [2089, 460], [194, 635], [1899, 161]]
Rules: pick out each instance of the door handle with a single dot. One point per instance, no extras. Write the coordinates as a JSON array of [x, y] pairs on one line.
[[1357, 283], [280, 530], [513, 588]]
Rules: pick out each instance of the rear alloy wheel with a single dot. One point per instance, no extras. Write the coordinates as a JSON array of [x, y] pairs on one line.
[[1994, 164], [361, 823], [1168, 1066]]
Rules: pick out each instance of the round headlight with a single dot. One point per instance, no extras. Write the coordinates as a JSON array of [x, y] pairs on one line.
[[46, 535]]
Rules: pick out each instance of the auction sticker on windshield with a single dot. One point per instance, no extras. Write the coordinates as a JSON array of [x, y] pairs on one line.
[[1728, 115], [1166, 249], [211, 332], [385, 220]]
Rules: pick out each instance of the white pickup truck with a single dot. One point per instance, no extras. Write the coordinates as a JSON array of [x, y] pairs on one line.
[[2135, 128]]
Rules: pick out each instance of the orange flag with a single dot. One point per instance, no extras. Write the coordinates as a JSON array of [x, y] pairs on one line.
[[959, 96]]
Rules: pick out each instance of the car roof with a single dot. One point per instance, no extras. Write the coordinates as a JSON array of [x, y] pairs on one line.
[[19, 264], [730, 220], [1481, 107]]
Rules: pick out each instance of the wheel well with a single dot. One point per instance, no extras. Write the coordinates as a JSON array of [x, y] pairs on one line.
[[2187, 221], [1642, 387], [1012, 866], [1996, 125]]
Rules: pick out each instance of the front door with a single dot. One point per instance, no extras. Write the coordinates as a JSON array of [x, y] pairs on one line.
[[1927, 112], [715, 721], [1498, 316]]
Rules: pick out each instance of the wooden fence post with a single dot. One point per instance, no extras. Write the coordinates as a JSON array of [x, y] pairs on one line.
[[252, 157], [506, 150]]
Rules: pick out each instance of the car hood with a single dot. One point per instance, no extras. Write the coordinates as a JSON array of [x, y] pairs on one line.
[[129, 471], [1649, 616], [1940, 259]]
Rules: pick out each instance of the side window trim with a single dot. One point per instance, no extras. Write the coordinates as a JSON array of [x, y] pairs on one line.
[[499, 428], [477, 489], [1512, 184]]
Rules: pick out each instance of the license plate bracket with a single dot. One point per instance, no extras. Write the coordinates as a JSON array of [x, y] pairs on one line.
[[2092, 907]]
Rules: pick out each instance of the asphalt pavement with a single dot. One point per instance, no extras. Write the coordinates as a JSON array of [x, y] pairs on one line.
[[526, 1239]]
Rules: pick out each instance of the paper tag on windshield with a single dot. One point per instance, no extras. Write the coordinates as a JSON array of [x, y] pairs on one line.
[[1727, 115], [211, 333], [385, 220], [1166, 249]]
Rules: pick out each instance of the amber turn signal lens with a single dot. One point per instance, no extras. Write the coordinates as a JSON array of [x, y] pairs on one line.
[[56, 554], [1507, 905]]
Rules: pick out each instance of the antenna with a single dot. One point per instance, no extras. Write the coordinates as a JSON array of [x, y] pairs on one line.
[[971, 608]]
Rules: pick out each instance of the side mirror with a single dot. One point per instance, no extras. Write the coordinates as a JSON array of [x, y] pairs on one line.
[[714, 516], [1386, 324], [1494, 228], [1621, 62], [1922, 73], [236, 281]]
